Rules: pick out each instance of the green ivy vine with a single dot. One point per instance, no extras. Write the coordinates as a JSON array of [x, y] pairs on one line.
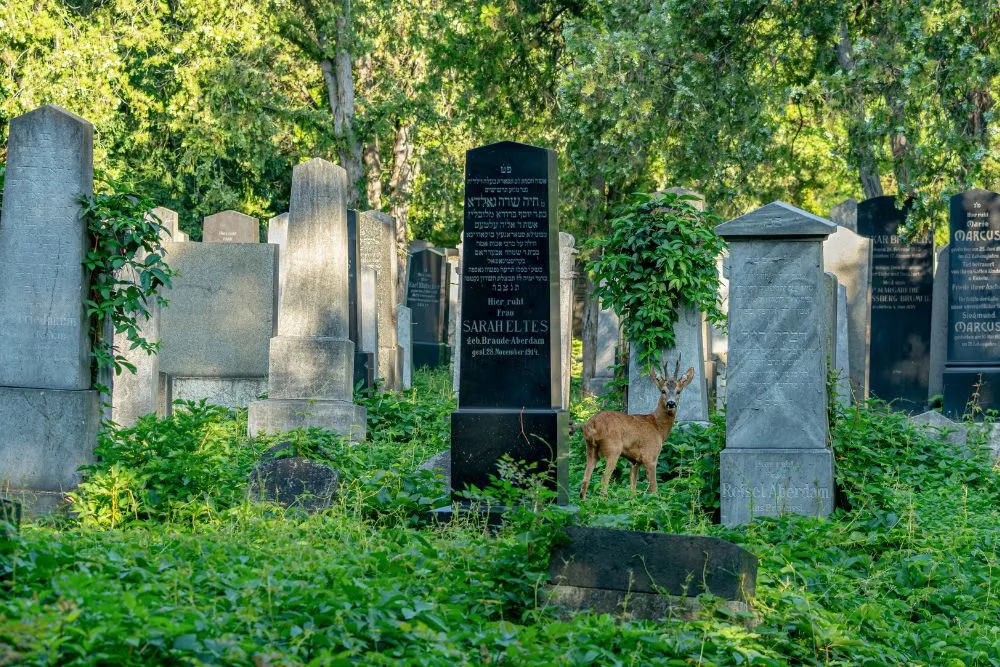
[[126, 270], [660, 257]]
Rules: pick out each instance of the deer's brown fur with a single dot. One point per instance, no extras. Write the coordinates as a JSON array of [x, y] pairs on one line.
[[639, 438]]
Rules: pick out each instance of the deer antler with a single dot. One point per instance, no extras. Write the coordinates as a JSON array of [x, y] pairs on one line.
[[677, 368]]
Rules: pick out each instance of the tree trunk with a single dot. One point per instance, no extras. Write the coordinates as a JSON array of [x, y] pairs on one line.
[[588, 331], [404, 172], [860, 143]]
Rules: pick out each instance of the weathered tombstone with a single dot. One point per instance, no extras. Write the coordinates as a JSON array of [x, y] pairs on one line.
[[416, 245], [776, 459], [845, 214], [842, 350], [367, 297], [427, 298], [939, 426], [311, 361], [295, 482], [509, 397], [605, 353], [377, 234], [451, 254], [902, 280], [456, 352], [364, 360], [230, 227], [848, 256], [404, 319], [643, 394], [134, 395], [217, 328], [277, 233], [567, 272], [939, 322], [169, 221], [49, 413], [972, 374]]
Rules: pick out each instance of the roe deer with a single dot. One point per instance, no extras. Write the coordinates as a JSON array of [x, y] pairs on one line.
[[639, 438]]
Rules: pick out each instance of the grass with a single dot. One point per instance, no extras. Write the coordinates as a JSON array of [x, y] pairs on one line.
[[169, 564]]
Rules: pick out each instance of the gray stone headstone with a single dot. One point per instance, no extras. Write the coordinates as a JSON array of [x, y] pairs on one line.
[[49, 414], [404, 321], [277, 233], [847, 255], [777, 459], [427, 291], [842, 364], [295, 482], [440, 463], [368, 296], [643, 395], [377, 234], [939, 426], [168, 219], [230, 227], [567, 273], [699, 199], [453, 284], [456, 357], [939, 323], [134, 395], [311, 360], [845, 214], [606, 352], [217, 327]]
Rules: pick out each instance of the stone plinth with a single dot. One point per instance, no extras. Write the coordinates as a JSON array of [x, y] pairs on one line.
[[777, 458], [377, 236], [643, 395], [311, 360], [230, 227], [49, 414]]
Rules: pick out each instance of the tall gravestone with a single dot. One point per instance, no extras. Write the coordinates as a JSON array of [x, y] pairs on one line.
[[404, 318], [939, 321], [230, 227], [451, 254], [848, 256], [427, 298], [377, 234], [135, 394], [311, 360], [456, 353], [277, 233], [973, 367], [567, 273], [510, 395], [777, 458], [606, 351], [364, 360], [49, 413], [902, 281]]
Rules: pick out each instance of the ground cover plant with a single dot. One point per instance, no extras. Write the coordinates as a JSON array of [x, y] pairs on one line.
[[906, 573]]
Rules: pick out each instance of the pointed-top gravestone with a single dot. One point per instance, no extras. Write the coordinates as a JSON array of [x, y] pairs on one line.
[[48, 412], [311, 363], [776, 459], [231, 227], [377, 238]]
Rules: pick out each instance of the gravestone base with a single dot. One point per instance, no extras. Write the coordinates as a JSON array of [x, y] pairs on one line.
[[961, 383], [45, 435], [432, 355], [364, 369], [757, 482], [631, 605], [598, 385], [286, 414], [227, 392], [311, 367], [481, 436]]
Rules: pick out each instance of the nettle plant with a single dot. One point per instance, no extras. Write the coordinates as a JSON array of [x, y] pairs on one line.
[[660, 257], [126, 269]]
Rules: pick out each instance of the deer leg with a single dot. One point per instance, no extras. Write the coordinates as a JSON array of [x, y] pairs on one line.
[[591, 462], [634, 476], [651, 475], [609, 467]]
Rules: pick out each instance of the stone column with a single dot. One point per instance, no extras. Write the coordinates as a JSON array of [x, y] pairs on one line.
[[230, 227], [311, 363], [567, 272], [777, 458], [49, 413], [377, 234]]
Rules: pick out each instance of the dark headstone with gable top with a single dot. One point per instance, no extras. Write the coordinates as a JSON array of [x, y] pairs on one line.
[[902, 281], [427, 299], [509, 384], [972, 371]]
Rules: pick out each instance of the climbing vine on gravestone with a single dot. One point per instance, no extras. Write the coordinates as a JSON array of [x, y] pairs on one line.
[[660, 256], [126, 270]]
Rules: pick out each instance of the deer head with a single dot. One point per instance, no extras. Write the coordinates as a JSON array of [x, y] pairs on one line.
[[671, 387]]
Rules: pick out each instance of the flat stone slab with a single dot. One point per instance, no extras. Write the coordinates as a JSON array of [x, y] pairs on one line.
[[295, 482], [657, 563]]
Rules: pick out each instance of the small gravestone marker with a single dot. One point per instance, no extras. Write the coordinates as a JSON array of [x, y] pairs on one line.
[[845, 214], [902, 281], [427, 299], [295, 482], [510, 394], [311, 360], [169, 221], [972, 374], [776, 459], [230, 227]]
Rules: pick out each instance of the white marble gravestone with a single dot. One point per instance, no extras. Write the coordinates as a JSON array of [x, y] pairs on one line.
[[777, 458], [230, 227], [311, 362], [49, 413]]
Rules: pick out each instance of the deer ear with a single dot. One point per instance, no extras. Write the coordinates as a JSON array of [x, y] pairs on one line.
[[686, 380]]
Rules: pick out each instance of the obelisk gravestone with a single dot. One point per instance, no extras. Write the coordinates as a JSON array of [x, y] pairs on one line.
[[510, 393]]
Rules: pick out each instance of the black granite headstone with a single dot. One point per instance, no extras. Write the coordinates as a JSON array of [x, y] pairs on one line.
[[364, 362], [972, 371], [509, 380], [902, 279], [427, 299]]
